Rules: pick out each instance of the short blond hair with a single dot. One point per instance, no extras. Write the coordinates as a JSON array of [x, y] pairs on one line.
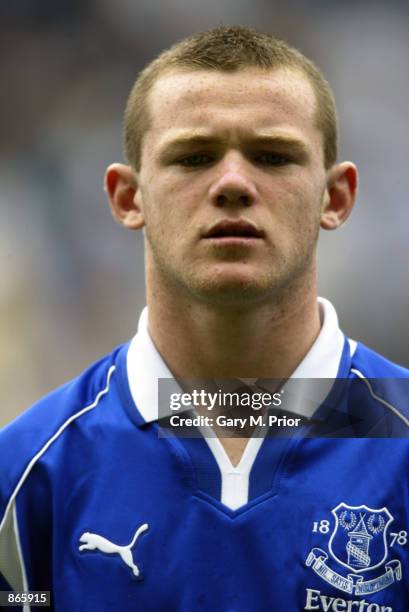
[[227, 48]]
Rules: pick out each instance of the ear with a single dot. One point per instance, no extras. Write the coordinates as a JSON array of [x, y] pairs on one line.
[[123, 194], [339, 197]]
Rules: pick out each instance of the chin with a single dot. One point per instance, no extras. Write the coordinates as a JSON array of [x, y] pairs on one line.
[[232, 290]]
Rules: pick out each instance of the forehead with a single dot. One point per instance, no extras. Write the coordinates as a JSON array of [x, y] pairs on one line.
[[251, 98]]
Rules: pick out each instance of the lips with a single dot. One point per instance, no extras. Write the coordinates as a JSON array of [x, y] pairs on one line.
[[233, 228]]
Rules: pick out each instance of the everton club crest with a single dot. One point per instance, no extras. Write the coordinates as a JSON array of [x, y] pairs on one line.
[[359, 543]]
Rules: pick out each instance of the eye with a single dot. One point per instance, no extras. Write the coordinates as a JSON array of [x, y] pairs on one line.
[[272, 159], [196, 159]]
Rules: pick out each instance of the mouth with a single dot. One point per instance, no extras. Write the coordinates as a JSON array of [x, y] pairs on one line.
[[235, 231]]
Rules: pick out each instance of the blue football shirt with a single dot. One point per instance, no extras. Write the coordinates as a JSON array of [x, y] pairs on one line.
[[100, 510]]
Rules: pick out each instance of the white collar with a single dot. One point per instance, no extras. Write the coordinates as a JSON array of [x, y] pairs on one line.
[[145, 365]]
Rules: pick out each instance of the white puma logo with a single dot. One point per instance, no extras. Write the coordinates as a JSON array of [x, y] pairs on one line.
[[93, 541]]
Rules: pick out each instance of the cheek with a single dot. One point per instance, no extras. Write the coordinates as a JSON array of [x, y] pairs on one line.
[[164, 220], [296, 197], [294, 213], [172, 201]]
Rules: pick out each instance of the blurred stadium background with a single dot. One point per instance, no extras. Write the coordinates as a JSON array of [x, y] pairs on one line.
[[71, 280]]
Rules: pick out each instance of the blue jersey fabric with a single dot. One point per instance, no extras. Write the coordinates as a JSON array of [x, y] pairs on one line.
[[98, 509]]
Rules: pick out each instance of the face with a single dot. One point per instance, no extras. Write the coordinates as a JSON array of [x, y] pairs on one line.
[[232, 183]]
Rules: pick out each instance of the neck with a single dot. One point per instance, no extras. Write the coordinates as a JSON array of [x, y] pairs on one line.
[[201, 340]]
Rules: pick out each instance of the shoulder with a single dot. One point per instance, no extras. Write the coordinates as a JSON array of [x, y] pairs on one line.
[[373, 365], [30, 437], [384, 384]]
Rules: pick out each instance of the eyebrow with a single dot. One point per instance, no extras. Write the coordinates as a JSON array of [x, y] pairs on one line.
[[281, 141], [262, 138], [188, 139]]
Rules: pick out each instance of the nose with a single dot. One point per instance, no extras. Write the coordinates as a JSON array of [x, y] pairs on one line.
[[233, 185]]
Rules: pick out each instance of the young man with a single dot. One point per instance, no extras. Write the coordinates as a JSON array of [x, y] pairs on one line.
[[231, 142]]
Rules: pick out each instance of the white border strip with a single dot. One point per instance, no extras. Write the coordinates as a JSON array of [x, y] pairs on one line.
[[235, 479], [52, 439], [26, 607], [380, 399]]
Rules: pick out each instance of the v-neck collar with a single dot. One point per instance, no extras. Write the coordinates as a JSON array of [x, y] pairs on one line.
[[145, 367]]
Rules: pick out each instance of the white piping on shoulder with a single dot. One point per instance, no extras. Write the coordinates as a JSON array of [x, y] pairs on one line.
[[26, 607], [380, 399], [52, 439]]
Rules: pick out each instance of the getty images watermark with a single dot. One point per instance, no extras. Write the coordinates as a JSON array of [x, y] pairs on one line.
[[307, 408], [225, 402], [226, 410]]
